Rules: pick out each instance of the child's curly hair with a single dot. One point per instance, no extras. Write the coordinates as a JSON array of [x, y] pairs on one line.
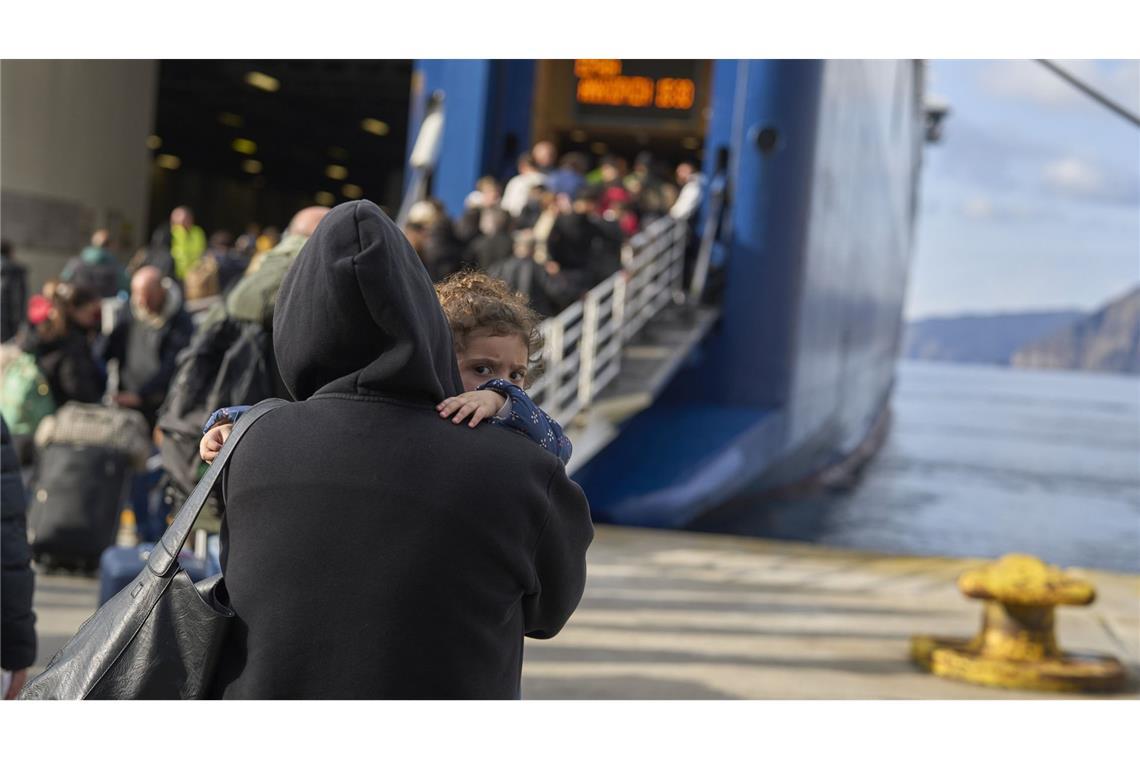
[[474, 301]]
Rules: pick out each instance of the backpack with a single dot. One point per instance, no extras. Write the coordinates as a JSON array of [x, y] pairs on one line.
[[227, 364], [25, 396], [103, 278], [203, 281]]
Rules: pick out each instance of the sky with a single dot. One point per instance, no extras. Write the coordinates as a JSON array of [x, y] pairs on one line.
[[1031, 201]]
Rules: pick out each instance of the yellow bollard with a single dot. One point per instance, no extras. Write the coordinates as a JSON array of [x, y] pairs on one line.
[[1017, 646]]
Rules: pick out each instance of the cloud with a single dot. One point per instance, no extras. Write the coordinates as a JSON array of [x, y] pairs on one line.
[[978, 207], [992, 166], [1030, 82], [1073, 176], [985, 208], [994, 157], [1078, 178]]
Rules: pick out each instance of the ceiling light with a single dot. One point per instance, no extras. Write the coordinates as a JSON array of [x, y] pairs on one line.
[[336, 171], [262, 81], [324, 198], [230, 119], [167, 161], [251, 166], [242, 145], [374, 126], [352, 191], [154, 142]]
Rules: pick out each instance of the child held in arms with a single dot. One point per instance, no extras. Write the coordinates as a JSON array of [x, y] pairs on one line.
[[496, 334]]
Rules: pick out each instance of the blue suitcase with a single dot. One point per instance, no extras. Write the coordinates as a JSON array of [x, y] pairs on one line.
[[119, 565]]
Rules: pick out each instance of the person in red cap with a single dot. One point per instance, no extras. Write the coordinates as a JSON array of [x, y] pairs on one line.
[[59, 322]]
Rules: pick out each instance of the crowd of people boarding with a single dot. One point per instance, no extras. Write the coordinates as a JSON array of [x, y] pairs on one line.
[[556, 228]]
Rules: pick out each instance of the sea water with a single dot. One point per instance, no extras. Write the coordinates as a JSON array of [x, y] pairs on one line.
[[982, 461]]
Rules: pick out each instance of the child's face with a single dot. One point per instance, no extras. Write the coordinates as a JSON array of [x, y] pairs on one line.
[[489, 356]]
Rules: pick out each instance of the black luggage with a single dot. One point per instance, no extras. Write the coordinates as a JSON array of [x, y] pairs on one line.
[[77, 494], [86, 456]]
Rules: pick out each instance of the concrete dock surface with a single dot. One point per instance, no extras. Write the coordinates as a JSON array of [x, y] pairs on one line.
[[674, 615]]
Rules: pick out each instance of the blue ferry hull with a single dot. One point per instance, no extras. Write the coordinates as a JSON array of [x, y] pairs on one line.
[[824, 166]]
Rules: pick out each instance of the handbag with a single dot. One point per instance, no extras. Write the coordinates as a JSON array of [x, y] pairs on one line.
[[161, 636]]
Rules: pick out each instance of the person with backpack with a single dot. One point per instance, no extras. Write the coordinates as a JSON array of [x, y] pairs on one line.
[[96, 268]]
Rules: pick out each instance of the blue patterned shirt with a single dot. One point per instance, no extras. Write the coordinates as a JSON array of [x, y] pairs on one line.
[[523, 416], [519, 414]]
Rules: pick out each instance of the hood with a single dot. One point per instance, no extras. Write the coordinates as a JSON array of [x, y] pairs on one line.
[[357, 314]]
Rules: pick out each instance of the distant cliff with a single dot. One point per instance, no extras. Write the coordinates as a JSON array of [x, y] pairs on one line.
[[1107, 340], [980, 339]]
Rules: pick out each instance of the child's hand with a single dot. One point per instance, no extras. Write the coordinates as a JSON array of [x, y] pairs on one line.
[[479, 404], [212, 441]]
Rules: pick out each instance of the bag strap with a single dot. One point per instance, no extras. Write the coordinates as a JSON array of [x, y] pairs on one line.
[[164, 553]]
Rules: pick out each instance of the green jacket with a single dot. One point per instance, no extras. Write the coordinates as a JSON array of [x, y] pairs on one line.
[[253, 297]]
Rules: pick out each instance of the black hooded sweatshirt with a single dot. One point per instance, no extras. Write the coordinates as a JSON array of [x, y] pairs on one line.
[[370, 548]]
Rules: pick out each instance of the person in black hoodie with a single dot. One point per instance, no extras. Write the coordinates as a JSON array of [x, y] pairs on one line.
[[370, 548]]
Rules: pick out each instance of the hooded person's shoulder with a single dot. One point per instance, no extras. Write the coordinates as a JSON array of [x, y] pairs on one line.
[[498, 444], [395, 432]]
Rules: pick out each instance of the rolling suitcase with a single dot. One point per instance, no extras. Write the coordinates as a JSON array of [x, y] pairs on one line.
[[119, 565], [87, 454], [77, 495]]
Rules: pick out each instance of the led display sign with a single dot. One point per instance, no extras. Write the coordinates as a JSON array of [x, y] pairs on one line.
[[642, 91]]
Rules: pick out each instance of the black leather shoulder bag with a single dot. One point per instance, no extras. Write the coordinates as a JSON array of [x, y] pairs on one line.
[[161, 636]]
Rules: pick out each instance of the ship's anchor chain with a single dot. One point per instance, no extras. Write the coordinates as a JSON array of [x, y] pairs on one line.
[[1017, 646]]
